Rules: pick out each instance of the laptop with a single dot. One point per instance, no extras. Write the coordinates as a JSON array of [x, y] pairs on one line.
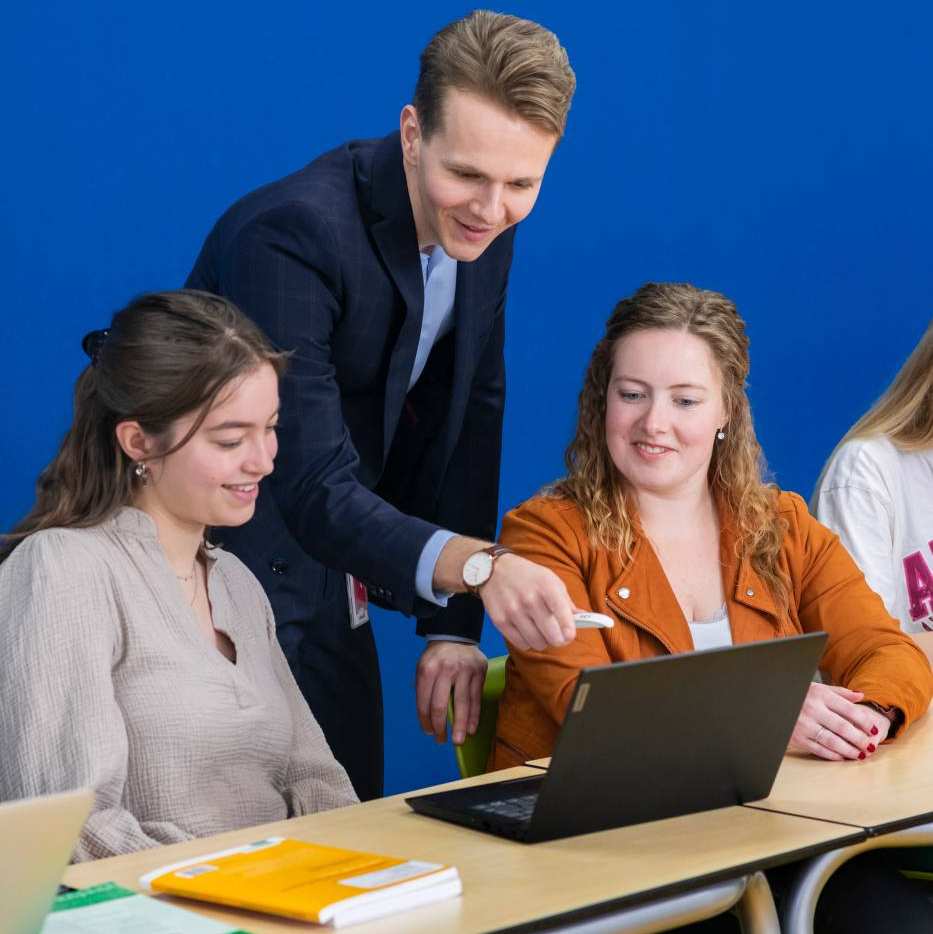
[[651, 739], [37, 837]]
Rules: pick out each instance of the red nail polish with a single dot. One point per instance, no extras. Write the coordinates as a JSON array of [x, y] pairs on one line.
[[874, 731], [872, 747], [861, 755]]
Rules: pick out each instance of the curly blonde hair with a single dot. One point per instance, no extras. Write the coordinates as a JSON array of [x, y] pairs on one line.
[[596, 486]]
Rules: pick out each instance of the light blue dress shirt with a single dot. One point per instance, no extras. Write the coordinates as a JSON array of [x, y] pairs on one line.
[[440, 287]]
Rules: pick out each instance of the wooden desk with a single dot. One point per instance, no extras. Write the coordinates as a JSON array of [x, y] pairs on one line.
[[889, 796], [890, 790], [509, 885]]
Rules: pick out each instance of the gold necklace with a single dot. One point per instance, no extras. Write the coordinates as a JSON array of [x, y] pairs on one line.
[[191, 575]]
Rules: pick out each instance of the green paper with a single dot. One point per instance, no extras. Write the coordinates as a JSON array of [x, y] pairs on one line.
[[112, 908]]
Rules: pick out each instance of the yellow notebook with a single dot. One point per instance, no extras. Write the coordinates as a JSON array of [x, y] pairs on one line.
[[301, 880]]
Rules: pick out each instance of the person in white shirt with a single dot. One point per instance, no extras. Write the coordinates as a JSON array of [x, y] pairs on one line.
[[876, 492]]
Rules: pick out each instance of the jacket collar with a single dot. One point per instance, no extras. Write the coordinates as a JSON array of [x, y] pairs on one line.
[[642, 594], [393, 231], [747, 588], [392, 223]]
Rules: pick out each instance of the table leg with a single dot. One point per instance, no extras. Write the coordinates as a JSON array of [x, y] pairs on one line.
[[755, 909], [815, 873], [672, 912]]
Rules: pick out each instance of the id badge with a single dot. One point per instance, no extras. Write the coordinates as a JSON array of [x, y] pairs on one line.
[[358, 602]]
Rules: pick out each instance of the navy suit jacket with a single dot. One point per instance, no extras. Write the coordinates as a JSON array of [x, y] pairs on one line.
[[326, 261]]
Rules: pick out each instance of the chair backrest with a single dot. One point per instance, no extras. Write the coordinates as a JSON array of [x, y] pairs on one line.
[[473, 754]]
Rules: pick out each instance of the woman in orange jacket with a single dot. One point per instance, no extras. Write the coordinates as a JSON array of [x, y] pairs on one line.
[[664, 522]]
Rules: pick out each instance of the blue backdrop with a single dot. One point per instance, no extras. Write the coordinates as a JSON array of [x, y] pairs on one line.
[[777, 153]]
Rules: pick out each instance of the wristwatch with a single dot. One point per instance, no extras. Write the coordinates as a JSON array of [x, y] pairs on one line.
[[478, 568]]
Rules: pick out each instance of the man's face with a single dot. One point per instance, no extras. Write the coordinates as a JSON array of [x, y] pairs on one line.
[[478, 173]]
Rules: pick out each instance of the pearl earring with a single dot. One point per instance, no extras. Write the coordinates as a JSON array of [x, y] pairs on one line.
[[142, 472], [721, 435]]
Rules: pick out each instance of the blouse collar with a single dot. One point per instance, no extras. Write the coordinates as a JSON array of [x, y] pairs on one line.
[[132, 521]]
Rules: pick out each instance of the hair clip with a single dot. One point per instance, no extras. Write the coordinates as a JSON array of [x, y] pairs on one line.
[[92, 344]]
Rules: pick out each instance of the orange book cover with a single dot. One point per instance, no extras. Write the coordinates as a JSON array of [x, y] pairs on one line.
[[307, 881]]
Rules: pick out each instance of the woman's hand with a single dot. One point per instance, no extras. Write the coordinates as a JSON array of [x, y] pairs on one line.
[[833, 725]]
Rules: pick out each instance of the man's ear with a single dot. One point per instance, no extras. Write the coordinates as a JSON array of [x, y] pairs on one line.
[[136, 444], [410, 129]]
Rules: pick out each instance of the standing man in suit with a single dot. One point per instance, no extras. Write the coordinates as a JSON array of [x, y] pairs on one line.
[[383, 266]]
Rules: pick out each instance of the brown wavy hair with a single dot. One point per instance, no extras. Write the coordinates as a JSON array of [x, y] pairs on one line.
[[737, 466], [510, 61], [164, 356]]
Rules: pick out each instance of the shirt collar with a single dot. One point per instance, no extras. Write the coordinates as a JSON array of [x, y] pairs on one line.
[[430, 261], [129, 520]]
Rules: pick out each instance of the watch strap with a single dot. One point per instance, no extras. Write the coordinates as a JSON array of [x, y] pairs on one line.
[[494, 551]]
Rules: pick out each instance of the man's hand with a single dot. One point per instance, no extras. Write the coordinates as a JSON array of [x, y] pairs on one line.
[[528, 604], [446, 666]]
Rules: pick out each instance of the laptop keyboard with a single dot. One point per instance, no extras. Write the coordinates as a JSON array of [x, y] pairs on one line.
[[519, 808]]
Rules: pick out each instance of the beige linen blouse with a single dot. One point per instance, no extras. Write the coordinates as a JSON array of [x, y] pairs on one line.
[[106, 681]]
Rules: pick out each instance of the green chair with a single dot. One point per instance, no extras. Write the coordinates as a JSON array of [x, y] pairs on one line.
[[474, 752]]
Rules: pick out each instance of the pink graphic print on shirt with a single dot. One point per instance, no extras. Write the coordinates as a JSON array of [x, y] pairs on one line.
[[919, 580]]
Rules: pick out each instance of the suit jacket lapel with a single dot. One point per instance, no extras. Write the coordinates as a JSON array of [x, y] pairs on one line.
[[464, 349], [393, 231]]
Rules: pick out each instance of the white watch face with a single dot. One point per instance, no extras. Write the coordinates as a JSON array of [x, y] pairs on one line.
[[477, 569]]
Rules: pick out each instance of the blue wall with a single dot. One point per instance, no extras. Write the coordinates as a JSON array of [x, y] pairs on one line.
[[778, 153]]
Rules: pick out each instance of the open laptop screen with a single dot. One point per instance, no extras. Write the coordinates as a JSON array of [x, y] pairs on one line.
[[656, 738]]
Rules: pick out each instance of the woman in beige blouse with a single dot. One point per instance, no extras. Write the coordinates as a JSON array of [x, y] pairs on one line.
[[135, 658]]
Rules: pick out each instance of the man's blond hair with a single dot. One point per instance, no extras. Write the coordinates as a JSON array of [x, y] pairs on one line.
[[510, 61]]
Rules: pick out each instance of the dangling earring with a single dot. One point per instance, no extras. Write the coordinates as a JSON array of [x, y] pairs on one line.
[[142, 472], [721, 435]]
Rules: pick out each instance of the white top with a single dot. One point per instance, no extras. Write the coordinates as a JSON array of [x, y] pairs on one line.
[[879, 500], [712, 633], [106, 682]]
